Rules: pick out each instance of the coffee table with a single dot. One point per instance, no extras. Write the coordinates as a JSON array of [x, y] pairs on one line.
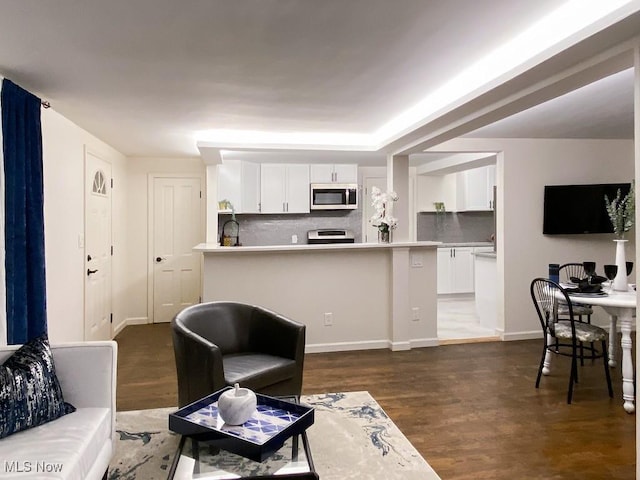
[[196, 459]]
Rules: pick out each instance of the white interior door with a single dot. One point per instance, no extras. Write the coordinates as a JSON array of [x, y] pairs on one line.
[[97, 292], [177, 228], [371, 231]]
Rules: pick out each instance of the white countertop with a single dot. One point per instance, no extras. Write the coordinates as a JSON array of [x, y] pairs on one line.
[[491, 255], [466, 244], [215, 248]]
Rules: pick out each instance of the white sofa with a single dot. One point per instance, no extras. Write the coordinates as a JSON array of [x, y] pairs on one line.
[[79, 445]]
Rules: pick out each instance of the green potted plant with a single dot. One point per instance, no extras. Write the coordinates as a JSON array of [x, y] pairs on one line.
[[621, 211]]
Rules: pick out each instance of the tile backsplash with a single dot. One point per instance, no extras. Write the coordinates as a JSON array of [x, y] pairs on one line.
[[450, 227], [277, 229]]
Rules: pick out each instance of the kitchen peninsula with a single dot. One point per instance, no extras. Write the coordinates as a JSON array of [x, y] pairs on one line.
[[350, 296]]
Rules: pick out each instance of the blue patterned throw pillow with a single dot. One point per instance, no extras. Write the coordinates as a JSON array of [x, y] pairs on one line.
[[30, 393]]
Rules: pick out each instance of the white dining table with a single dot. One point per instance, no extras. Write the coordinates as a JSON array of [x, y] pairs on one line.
[[621, 307]]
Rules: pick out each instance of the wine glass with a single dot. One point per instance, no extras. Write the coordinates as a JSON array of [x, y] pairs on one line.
[[589, 269], [610, 272], [629, 266]]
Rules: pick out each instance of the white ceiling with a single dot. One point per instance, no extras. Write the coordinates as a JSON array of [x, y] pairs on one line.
[[145, 75], [603, 109]]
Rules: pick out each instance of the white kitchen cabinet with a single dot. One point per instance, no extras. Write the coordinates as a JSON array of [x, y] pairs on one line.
[[338, 173], [455, 270], [475, 188], [284, 188], [491, 182], [239, 182]]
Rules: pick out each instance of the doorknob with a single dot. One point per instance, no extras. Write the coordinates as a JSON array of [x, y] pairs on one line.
[[89, 271], [159, 259]]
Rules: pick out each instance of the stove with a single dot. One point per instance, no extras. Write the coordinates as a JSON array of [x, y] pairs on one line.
[[327, 235]]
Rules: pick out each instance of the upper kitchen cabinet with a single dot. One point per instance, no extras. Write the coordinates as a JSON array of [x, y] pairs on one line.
[[475, 188], [338, 173], [239, 182], [284, 188]]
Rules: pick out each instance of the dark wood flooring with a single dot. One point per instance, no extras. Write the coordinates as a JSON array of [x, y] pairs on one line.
[[471, 410]]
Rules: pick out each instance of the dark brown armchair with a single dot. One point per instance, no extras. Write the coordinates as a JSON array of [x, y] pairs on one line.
[[221, 343]]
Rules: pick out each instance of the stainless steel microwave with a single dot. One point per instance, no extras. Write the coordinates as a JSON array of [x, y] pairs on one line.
[[334, 196]]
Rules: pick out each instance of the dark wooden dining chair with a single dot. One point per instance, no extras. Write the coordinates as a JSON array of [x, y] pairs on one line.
[[575, 270], [567, 272], [563, 337]]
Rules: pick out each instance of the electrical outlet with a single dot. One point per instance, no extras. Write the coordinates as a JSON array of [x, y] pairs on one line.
[[415, 314], [294, 238], [328, 319]]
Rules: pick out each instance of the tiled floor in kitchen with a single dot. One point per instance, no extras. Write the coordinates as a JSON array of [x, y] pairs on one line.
[[458, 322]]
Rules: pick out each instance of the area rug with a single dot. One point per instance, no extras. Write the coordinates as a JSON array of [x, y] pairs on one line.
[[351, 438]]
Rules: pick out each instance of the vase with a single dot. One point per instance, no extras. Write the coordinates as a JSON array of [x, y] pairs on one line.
[[384, 236], [620, 282]]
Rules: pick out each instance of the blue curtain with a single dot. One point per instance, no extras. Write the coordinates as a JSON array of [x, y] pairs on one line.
[[24, 217]]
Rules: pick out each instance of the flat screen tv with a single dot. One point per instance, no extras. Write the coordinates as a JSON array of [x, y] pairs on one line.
[[579, 209]]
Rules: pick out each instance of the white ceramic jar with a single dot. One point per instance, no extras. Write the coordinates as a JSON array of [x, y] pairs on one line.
[[237, 405]]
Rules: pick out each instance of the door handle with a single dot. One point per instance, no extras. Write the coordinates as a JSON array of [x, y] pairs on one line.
[[89, 271]]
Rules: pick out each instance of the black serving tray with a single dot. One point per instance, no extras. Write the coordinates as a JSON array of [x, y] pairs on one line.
[[264, 433]]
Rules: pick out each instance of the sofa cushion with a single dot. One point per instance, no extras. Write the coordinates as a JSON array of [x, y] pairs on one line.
[[257, 370], [66, 448], [30, 393]]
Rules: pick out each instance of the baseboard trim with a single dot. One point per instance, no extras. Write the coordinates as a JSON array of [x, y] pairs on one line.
[[399, 346], [346, 346], [370, 345], [508, 337], [460, 341], [424, 342], [129, 321]]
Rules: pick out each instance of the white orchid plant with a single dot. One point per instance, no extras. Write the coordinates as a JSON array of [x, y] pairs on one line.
[[621, 211], [381, 202]]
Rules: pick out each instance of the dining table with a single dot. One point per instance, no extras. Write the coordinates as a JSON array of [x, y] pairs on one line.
[[621, 308]]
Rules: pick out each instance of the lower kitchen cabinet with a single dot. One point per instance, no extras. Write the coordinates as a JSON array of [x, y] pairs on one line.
[[455, 270]]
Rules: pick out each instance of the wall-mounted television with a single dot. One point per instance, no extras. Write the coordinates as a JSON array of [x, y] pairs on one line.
[[579, 209]]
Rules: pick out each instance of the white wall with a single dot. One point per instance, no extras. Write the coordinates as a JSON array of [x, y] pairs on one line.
[[138, 256], [355, 285], [63, 159], [64, 145], [524, 168]]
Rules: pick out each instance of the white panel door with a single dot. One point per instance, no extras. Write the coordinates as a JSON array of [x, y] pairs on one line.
[[177, 228], [97, 292]]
